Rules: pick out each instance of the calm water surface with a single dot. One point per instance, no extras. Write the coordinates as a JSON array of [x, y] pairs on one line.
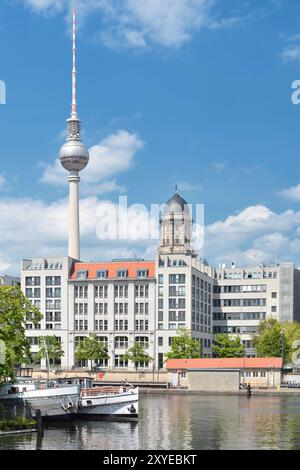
[[181, 422]]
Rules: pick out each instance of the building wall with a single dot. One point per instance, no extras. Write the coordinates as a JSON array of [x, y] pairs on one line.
[[130, 332], [38, 275], [245, 296], [184, 299], [212, 381]]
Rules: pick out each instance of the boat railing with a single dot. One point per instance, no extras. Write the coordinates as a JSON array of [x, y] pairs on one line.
[[89, 392]]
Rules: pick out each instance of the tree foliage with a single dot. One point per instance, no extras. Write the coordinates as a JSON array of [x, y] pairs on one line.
[[137, 354], [50, 345], [184, 346], [225, 346], [91, 349], [275, 339], [15, 312]]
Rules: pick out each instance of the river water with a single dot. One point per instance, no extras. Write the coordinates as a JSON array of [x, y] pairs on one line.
[[181, 422]]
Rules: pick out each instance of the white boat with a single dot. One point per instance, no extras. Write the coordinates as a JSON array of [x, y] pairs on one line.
[[53, 402], [110, 402]]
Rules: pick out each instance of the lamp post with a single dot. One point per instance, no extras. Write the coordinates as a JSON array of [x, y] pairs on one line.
[[282, 345]]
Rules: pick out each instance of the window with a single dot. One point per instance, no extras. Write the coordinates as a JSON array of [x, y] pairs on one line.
[[160, 341], [255, 373], [172, 315], [160, 279], [120, 361], [33, 281], [143, 341], [122, 273], [101, 274], [172, 326], [274, 309], [160, 326], [142, 273], [121, 342], [82, 274], [274, 295]]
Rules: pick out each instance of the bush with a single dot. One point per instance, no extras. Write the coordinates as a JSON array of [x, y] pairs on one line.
[[17, 424]]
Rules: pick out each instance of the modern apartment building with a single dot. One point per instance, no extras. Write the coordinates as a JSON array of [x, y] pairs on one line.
[[245, 296]]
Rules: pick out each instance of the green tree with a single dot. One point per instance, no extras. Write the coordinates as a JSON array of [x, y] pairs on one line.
[[137, 354], [184, 346], [15, 312], [50, 348], [225, 346], [275, 339], [91, 349]]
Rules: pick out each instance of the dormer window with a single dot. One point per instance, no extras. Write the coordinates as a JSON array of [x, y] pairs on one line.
[[82, 274], [102, 274], [122, 273], [142, 273]]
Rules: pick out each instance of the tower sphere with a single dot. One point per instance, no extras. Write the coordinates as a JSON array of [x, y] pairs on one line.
[[74, 156]]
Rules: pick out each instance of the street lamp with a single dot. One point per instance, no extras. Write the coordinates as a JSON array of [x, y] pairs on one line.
[[282, 345]]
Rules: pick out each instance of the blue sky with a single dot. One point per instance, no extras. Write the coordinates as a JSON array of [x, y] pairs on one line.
[[194, 92]]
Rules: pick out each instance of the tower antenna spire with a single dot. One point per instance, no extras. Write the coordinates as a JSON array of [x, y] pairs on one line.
[[74, 103]]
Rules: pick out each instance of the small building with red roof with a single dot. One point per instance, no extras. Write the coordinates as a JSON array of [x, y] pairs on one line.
[[225, 374]]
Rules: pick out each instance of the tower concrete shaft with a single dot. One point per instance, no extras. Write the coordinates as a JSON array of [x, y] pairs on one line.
[[74, 230]]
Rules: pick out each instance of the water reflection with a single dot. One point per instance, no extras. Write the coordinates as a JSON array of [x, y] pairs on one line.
[[181, 422]]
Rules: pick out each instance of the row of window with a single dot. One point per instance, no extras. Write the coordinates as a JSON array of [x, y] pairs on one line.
[[120, 325], [203, 319], [36, 292], [36, 281], [201, 307], [103, 274], [200, 283], [172, 263], [235, 329], [239, 302], [248, 275], [240, 289], [201, 328], [240, 316]]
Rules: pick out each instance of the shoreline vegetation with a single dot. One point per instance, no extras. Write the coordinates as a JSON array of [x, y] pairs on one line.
[[19, 423]]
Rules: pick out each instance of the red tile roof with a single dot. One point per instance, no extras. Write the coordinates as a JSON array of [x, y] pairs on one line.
[[112, 268], [226, 363]]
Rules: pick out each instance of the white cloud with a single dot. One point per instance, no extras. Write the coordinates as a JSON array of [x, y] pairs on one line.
[[32, 228], [292, 193], [138, 24], [291, 53], [44, 5], [254, 236], [3, 183], [219, 167], [113, 155], [188, 187]]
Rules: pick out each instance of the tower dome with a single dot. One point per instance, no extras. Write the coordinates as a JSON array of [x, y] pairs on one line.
[[176, 205]]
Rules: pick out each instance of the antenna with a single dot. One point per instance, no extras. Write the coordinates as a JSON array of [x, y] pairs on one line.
[[74, 104], [176, 188]]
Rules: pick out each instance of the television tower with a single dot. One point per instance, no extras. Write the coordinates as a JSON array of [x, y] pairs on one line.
[[74, 157]]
